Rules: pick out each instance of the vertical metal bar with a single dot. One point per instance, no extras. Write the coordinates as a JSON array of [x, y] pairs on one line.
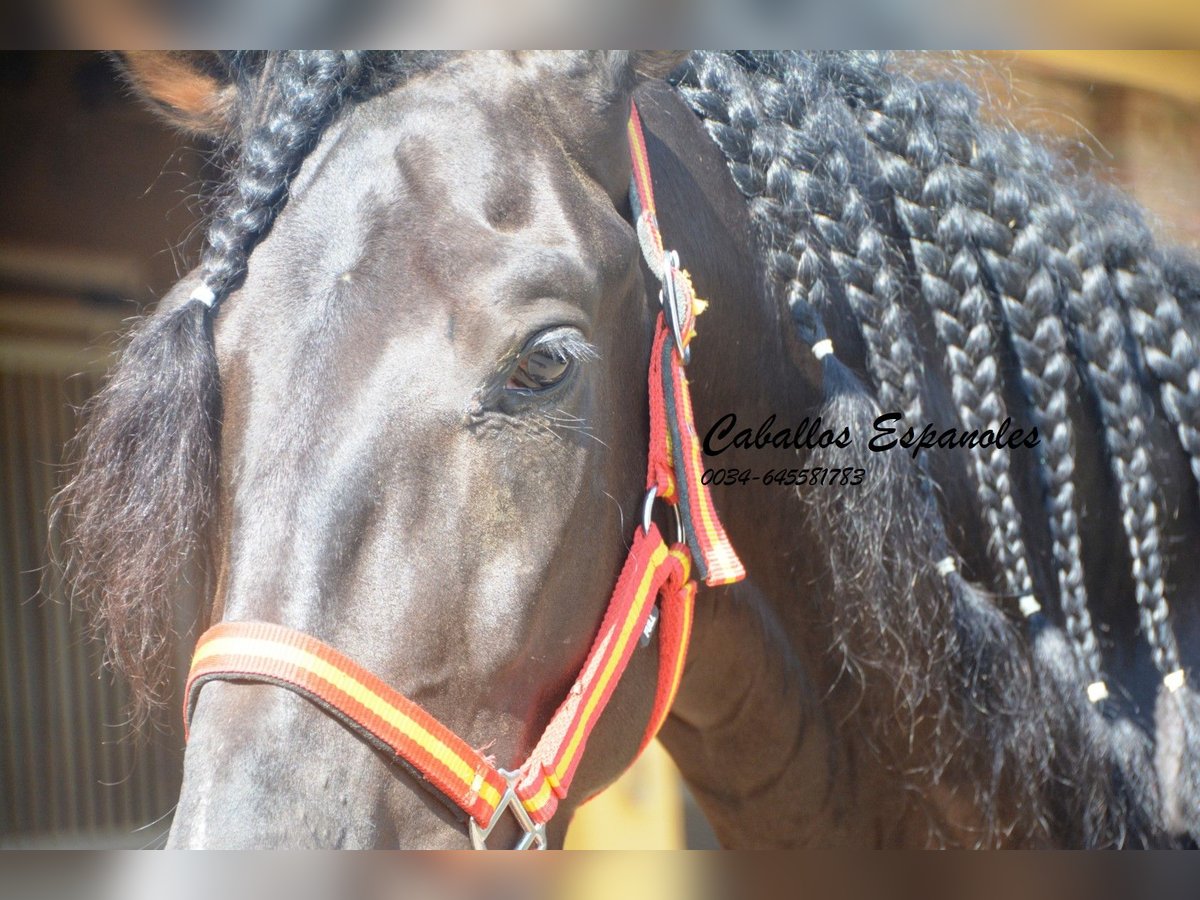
[[31, 733], [15, 821]]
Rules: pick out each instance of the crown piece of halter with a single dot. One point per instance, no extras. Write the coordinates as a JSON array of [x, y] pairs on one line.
[[655, 585]]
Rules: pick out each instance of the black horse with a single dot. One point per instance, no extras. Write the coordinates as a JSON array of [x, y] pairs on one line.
[[401, 405]]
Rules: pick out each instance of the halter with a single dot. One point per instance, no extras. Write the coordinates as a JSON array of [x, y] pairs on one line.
[[655, 589]]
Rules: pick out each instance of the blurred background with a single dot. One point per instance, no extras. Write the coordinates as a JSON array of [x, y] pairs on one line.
[[928, 24], [99, 216]]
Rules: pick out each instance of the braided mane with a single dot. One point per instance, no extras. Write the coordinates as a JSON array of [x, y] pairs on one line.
[[884, 203], [936, 251]]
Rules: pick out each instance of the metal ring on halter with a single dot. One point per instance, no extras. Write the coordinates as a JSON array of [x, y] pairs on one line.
[[648, 508], [534, 833], [668, 298]]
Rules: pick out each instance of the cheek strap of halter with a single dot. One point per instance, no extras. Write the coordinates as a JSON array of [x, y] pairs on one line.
[[653, 572], [676, 466]]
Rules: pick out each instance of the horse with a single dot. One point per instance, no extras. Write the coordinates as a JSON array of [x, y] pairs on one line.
[[944, 403]]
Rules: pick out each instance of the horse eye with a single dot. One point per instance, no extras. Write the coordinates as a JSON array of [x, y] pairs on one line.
[[538, 370]]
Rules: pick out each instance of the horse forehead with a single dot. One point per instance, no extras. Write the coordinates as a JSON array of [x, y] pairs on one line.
[[455, 187], [459, 146], [464, 180]]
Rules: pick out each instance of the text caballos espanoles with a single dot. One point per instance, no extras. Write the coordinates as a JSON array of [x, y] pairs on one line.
[[889, 433]]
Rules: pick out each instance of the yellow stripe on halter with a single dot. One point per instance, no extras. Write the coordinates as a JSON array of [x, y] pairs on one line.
[[302, 659], [657, 558], [540, 798], [641, 162]]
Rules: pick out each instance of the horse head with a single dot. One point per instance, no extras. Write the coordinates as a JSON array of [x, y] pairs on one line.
[[433, 407], [418, 404]]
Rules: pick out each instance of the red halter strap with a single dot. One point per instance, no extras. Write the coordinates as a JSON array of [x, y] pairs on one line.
[[676, 465], [653, 571]]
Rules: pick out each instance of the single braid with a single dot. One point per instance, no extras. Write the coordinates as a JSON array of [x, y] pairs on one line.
[[863, 262], [1100, 333], [305, 89], [869, 265], [142, 466], [722, 94], [952, 283], [1030, 300], [1167, 348]]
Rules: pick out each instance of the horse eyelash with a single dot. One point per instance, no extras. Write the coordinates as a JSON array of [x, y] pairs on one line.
[[568, 344]]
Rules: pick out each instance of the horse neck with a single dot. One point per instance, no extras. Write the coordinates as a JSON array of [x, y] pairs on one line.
[[751, 731]]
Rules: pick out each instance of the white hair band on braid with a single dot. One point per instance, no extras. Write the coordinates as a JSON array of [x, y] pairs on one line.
[[1173, 681], [1028, 605], [946, 566], [822, 348], [1097, 691], [202, 293]]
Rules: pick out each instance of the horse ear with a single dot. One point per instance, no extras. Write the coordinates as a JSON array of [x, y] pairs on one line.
[[656, 63], [187, 88], [627, 67]]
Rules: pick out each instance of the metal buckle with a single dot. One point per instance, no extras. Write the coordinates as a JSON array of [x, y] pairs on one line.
[[670, 298], [535, 833]]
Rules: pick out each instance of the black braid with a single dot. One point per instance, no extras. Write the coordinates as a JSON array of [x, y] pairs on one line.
[[1100, 332], [288, 100], [867, 264], [305, 90], [951, 280], [1168, 349], [775, 164], [1031, 299], [144, 462], [989, 218]]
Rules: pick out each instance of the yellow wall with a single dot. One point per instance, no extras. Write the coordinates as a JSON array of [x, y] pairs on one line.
[[642, 811]]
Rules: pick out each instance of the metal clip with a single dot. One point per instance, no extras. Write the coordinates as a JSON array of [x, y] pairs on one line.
[[534, 833], [670, 297]]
